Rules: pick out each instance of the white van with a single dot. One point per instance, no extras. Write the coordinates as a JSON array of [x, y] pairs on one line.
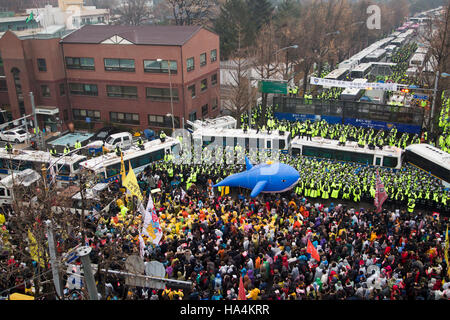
[[123, 139], [26, 178]]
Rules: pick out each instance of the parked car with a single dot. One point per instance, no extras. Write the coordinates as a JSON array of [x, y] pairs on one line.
[[18, 135], [123, 139], [104, 133]]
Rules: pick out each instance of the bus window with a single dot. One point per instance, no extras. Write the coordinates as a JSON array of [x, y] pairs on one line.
[[113, 169], [282, 144], [2, 192], [224, 142], [269, 144], [234, 142], [390, 162], [64, 170], [296, 152], [378, 161], [247, 143]]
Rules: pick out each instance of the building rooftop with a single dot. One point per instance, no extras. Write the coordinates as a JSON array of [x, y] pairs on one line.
[[145, 34]]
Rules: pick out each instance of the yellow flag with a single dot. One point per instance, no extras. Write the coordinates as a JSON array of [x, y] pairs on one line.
[[130, 182], [122, 168], [34, 250]]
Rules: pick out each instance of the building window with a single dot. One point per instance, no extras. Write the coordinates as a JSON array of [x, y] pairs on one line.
[[119, 65], [203, 59], [82, 114], [45, 90], [3, 85], [42, 65], [128, 118], [190, 63], [213, 55], [121, 92], [204, 85], [80, 63], [214, 79], [215, 103], [154, 66], [62, 89], [161, 94], [192, 90], [83, 89], [204, 110], [163, 121], [193, 116]]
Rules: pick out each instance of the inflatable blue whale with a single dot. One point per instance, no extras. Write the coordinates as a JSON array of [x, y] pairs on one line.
[[267, 177]]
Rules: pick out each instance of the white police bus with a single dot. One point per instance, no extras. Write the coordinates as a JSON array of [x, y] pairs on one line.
[[107, 167], [251, 139], [388, 157], [65, 168], [353, 94], [361, 71], [430, 159]]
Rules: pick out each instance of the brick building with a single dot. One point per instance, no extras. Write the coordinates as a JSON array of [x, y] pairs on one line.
[[115, 74]]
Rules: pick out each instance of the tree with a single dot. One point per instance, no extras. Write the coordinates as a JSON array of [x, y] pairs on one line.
[[133, 12], [191, 12], [241, 96], [263, 53], [233, 27], [261, 12], [437, 38]]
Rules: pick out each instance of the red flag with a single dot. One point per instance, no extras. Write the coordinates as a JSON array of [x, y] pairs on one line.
[[380, 194], [241, 294], [312, 250]]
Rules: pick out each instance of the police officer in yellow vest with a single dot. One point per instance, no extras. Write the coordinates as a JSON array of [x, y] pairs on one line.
[[77, 144], [8, 147], [140, 143], [66, 149], [162, 136]]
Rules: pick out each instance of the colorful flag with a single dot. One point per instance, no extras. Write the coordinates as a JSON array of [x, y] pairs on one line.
[[380, 193], [130, 182], [30, 17], [151, 226], [241, 294], [312, 250]]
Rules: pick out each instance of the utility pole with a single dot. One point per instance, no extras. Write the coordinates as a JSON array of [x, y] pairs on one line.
[[83, 253], [53, 261], [433, 105], [36, 126]]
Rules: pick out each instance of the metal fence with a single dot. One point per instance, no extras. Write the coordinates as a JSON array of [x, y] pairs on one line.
[[349, 109]]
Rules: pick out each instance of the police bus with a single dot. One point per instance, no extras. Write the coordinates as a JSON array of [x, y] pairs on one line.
[[417, 60], [353, 94], [388, 157], [257, 144], [65, 168], [361, 71], [375, 56], [107, 167], [430, 159], [225, 122]]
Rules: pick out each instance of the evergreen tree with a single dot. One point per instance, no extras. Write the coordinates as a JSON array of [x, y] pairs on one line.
[[261, 12], [233, 25]]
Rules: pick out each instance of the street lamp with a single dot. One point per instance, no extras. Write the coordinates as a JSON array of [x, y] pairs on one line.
[[170, 92], [294, 46], [444, 75]]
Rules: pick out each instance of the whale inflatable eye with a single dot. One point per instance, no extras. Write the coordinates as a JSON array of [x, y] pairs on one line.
[[283, 180]]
